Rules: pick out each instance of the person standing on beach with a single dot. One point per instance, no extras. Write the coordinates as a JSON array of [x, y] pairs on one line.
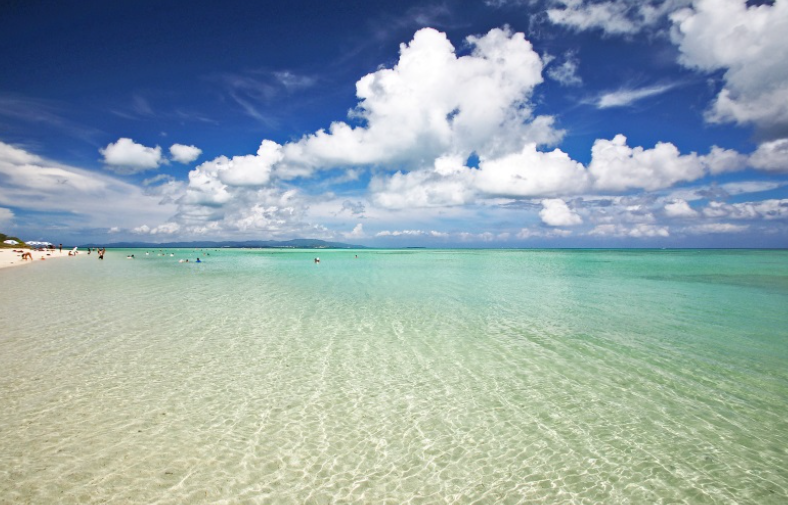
[[61, 248]]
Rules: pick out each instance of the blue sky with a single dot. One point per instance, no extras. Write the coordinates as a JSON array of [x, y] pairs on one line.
[[520, 123]]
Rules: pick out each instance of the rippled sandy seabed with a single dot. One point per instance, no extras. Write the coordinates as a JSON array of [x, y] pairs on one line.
[[397, 377]]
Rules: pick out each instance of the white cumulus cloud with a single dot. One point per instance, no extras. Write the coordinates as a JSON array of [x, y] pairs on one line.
[[184, 154], [748, 44], [555, 212], [680, 209], [616, 166], [433, 103], [357, 232], [127, 157], [771, 156]]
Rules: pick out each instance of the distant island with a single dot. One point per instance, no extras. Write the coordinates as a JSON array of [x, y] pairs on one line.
[[299, 243]]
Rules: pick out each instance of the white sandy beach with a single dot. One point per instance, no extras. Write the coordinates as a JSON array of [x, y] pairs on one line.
[[10, 258]]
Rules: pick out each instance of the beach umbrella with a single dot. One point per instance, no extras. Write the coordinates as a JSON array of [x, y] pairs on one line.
[[10, 242]]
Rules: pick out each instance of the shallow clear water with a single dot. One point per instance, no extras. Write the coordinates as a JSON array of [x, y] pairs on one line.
[[410, 376]]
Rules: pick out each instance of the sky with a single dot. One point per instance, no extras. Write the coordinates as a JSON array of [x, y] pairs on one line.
[[497, 123]]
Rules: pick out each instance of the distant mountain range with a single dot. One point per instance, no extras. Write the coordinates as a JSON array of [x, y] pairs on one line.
[[299, 243]]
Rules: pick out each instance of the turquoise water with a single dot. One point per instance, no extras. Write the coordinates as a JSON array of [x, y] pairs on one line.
[[400, 376]]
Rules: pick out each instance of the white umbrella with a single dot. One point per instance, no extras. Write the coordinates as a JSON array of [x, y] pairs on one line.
[[10, 242], [35, 242]]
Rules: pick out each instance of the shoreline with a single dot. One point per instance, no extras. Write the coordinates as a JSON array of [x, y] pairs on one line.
[[9, 258]]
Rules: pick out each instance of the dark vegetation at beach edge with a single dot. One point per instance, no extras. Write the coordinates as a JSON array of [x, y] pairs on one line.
[[258, 244], [4, 237]]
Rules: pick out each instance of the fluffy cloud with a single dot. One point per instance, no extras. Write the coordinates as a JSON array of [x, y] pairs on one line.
[[432, 104], [127, 157], [526, 173], [721, 160], [617, 167], [531, 173], [555, 212], [679, 209], [771, 156], [184, 154], [212, 182], [358, 232], [748, 44], [744, 41], [447, 184]]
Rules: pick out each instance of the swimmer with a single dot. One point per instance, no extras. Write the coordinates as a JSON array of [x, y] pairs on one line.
[[317, 260], [198, 260]]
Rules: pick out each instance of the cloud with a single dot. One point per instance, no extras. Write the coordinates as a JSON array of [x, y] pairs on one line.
[[625, 97], [354, 208], [184, 154], [526, 173], [617, 167], [6, 215], [422, 188], [721, 160], [766, 209], [433, 104], [566, 73], [412, 233], [638, 231], [169, 228], [707, 228], [743, 41], [612, 17], [680, 209], [211, 182], [531, 173], [555, 212], [127, 157], [771, 156], [211, 207], [80, 197], [748, 44], [743, 187], [527, 233], [255, 91], [358, 232]]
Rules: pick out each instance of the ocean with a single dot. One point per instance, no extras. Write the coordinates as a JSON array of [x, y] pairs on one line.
[[396, 376]]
